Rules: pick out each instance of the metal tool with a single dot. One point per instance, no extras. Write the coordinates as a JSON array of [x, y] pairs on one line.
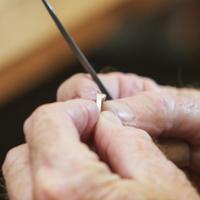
[[75, 48]]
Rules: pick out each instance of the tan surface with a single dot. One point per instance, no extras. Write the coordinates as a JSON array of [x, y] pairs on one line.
[[31, 45]]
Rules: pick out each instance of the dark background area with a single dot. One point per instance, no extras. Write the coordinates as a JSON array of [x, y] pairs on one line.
[[141, 48]]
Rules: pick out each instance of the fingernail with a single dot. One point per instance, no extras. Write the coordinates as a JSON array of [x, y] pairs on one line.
[[121, 110]]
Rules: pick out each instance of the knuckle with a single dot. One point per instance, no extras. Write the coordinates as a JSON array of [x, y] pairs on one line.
[[133, 76], [56, 192], [55, 187], [149, 84], [26, 125], [86, 83], [156, 99], [44, 110], [61, 91], [10, 159], [47, 190], [41, 114], [148, 80]]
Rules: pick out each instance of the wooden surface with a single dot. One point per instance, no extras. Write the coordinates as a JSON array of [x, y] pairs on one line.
[[31, 46]]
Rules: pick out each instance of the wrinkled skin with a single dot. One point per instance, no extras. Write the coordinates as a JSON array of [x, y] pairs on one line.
[[57, 164]]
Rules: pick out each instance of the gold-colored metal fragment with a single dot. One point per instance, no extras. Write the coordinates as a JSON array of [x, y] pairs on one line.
[[100, 98]]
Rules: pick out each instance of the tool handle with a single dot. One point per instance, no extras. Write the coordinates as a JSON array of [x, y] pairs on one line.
[[175, 150]]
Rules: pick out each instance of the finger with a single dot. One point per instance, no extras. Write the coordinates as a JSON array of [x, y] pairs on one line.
[[132, 154], [61, 163], [118, 84], [133, 147], [116, 142], [78, 86], [17, 174], [169, 114]]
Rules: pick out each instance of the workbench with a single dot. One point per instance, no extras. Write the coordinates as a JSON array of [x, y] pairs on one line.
[[32, 49]]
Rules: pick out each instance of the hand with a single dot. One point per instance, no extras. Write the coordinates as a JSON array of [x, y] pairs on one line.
[[56, 164], [141, 103], [119, 86]]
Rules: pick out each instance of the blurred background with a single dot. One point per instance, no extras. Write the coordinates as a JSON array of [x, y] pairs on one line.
[[155, 38]]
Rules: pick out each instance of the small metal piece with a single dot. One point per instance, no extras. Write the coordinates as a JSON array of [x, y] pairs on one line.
[[76, 50], [99, 100]]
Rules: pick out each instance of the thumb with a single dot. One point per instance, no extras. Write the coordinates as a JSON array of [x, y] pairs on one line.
[[170, 113], [173, 114]]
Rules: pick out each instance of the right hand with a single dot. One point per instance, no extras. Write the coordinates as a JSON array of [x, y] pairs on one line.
[[140, 102]]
